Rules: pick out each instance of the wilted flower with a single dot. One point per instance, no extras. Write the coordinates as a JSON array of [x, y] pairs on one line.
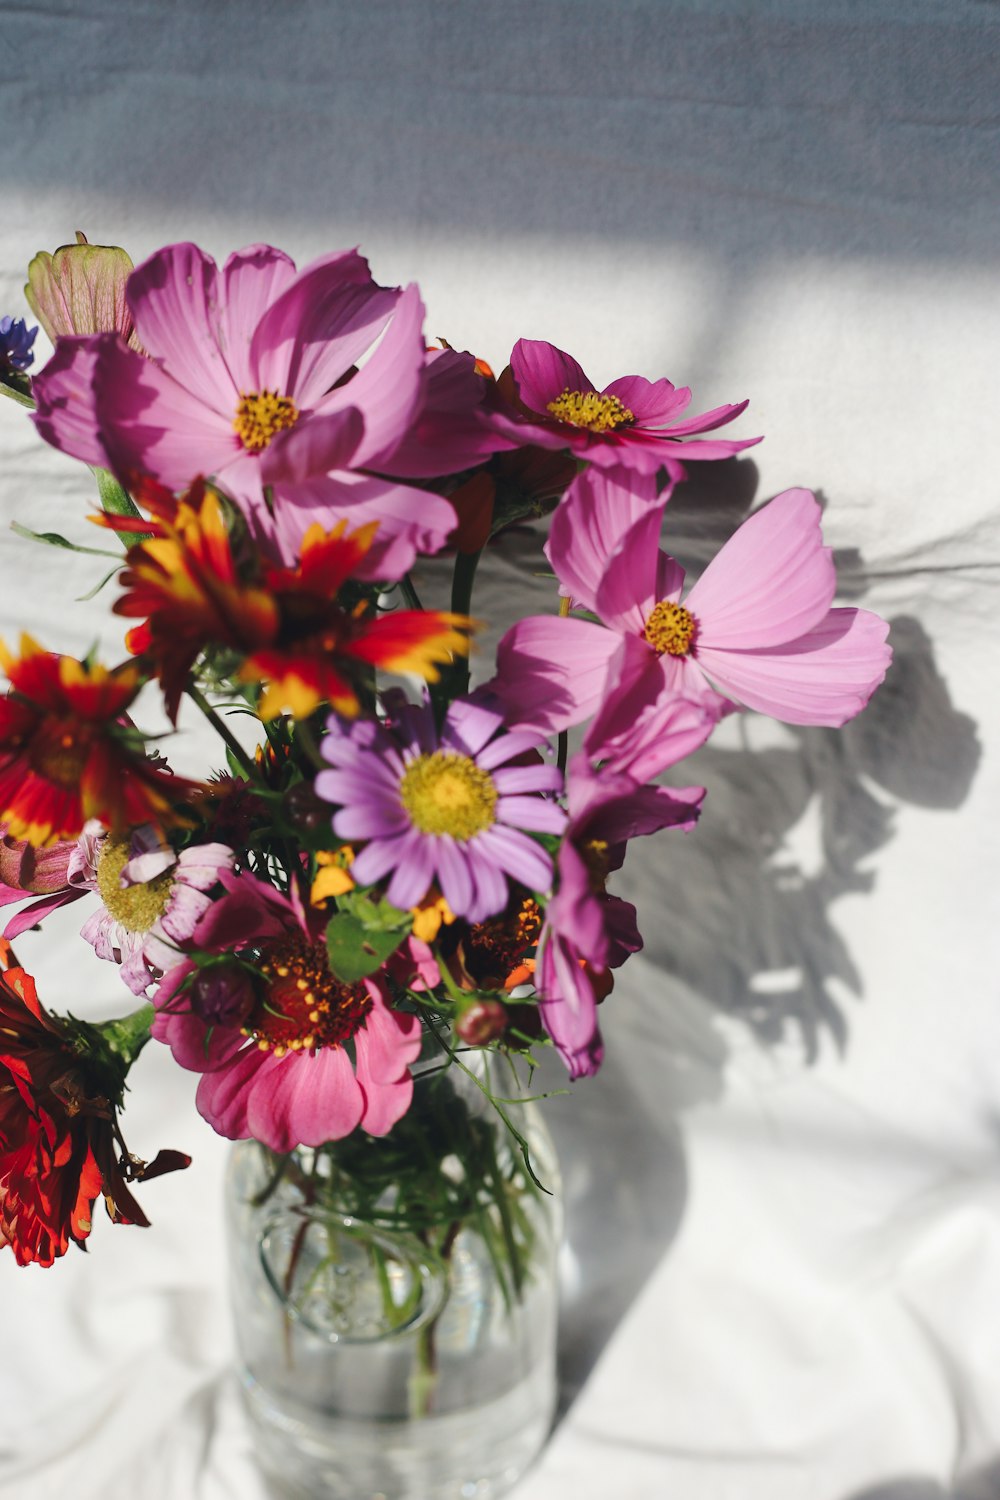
[[61, 1086], [81, 289]]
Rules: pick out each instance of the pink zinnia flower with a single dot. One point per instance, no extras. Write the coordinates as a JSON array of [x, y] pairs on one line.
[[251, 379], [588, 931], [273, 1050], [630, 423], [758, 625], [454, 807], [152, 897]]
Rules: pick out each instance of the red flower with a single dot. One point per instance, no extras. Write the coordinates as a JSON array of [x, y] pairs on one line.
[[60, 1088], [67, 754], [288, 625]]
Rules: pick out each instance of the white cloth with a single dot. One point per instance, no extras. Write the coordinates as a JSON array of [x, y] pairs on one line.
[[783, 1271]]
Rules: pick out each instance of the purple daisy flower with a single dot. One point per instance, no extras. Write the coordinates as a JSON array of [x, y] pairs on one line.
[[152, 897], [446, 806]]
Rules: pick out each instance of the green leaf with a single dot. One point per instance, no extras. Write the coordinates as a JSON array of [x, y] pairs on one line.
[[355, 951], [375, 916], [18, 389], [115, 500], [53, 539]]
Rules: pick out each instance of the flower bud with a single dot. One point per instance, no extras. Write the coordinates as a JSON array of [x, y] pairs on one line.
[[305, 810], [81, 289], [223, 995], [482, 1022]]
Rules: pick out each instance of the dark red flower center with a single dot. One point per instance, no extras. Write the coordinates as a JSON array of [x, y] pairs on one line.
[[59, 751], [304, 1006]]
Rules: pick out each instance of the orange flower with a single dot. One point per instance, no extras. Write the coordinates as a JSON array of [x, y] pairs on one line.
[[290, 628], [67, 754], [320, 645], [183, 582]]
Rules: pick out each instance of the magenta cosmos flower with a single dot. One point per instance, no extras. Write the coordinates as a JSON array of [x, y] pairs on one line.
[[152, 898], [270, 1028], [455, 807], [758, 625], [587, 931], [632, 423], [251, 380]]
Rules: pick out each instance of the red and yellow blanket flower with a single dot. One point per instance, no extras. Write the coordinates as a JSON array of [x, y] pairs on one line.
[[292, 629], [67, 752]]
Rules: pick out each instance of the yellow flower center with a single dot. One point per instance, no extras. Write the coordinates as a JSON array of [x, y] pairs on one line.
[[305, 1007], [448, 793], [136, 907], [260, 415], [588, 409], [670, 628]]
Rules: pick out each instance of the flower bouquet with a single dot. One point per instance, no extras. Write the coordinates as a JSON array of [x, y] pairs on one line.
[[361, 928]]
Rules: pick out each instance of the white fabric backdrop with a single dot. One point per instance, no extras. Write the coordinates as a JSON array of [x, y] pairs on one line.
[[782, 1280]]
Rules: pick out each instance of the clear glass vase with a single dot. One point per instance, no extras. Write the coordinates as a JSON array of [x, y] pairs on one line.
[[395, 1301]]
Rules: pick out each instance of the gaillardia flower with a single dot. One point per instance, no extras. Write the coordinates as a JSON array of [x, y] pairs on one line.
[[632, 423], [270, 1028], [456, 807], [288, 625], [151, 897], [60, 1089], [66, 754]]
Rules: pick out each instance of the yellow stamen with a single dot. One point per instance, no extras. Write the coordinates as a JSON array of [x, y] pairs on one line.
[[448, 793], [260, 415], [136, 907], [670, 628], [591, 410]]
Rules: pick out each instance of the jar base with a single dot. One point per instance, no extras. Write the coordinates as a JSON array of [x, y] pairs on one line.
[[476, 1454]]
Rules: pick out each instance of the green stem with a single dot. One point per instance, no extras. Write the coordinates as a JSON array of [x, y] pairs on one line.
[[221, 728], [409, 593], [127, 1035]]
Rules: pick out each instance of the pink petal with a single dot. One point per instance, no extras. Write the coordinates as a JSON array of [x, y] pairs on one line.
[[323, 321], [536, 814], [174, 297], [708, 420], [627, 593], [252, 279], [517, 855], [66, 414], [824, 678], [389, 1040], [415, 870], [152, 424], [223, 1096], [542, 372], [509, 780], [649, 725], [652, 403], [318, 443], [412, 522], [385, 1103], [304, 1099], [36, 911], [454, 876], [551, 671], [388, 390], [569, 1009], [771, 582], [490, 886], [589, 525]]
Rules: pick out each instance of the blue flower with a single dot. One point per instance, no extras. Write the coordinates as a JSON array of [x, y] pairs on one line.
[[16, 340]]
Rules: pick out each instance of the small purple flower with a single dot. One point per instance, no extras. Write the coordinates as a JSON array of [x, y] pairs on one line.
[[444, 806], [16, 339]]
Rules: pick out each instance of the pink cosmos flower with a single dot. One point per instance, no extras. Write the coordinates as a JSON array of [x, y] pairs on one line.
[[588, 931], [455, 807], [273, 1051], [251, 380], [152, 897], [758, 625], [631, 423]]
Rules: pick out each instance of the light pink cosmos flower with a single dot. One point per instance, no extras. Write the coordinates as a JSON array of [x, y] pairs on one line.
[[758, 625], [588, 931], [251, 380], [152, 897], [455, 806], [273, 1051], [631, 423]]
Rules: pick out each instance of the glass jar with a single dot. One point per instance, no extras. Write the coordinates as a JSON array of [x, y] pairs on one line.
[[395, 1299]]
